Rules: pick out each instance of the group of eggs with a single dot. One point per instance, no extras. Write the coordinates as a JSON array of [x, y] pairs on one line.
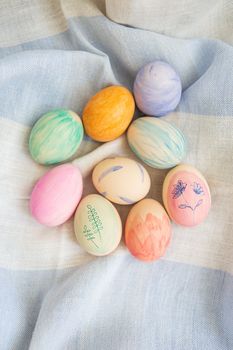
[[56, 137]]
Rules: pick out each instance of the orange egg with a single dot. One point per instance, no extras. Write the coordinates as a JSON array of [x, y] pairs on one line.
[[108, 113]]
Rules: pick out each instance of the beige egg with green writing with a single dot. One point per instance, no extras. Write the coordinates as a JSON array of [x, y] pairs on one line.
[[97, 225]]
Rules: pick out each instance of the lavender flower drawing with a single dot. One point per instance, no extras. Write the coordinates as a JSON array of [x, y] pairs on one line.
[[197, 188], [179, 188]]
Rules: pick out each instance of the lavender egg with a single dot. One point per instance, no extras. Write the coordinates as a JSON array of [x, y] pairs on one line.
[[157, 88]]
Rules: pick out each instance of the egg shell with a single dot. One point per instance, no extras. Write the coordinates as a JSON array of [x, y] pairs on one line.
[[97, 225], [147, 230], [157, 88], [55, 137], [156, 142], [186, 195], [121, 180], [56, 195], [108, 113]]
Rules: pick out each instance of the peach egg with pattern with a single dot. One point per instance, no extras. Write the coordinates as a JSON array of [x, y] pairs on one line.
[[186, 195], [147, 230]]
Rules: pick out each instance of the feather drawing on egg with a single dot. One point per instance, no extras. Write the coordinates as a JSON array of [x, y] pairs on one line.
[[97, 225]]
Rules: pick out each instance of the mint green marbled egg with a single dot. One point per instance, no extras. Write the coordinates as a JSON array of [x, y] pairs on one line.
[[55, 137]]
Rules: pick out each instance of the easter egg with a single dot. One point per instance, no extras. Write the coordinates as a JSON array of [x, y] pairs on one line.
[[147, 230], [121, 180], [156, 142], [157, 88], [97, 225], [56, 195], [108, 113], [55, 137], [186, 195]]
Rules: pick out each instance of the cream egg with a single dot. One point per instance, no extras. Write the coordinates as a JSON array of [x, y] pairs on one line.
[[121, 180], [97, 225]]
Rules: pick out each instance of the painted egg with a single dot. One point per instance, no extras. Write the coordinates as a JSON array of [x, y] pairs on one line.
[[186, 195], [156, 142], [147, 230], [55, 137], [97, 225], [157, 89], [108, 113], [56, 195], [121, 180]]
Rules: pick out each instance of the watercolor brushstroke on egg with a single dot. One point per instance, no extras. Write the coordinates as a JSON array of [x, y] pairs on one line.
[[126, 200], [169, 136], [141, 170], [44, 136], [108, 171], [159, 145]]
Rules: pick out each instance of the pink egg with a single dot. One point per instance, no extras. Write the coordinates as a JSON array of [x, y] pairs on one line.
[[56, 195], [186, 195]]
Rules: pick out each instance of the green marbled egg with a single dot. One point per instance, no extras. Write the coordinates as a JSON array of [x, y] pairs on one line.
[[55, 137]]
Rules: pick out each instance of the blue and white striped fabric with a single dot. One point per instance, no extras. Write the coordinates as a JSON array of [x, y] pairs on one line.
[[56, 54]]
